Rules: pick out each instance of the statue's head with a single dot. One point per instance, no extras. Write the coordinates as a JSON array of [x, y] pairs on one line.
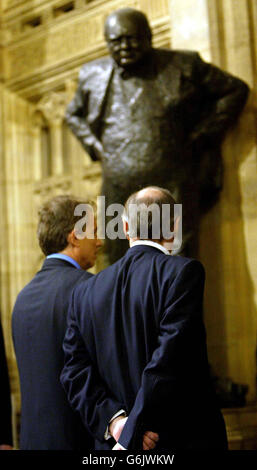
[[128, 36]]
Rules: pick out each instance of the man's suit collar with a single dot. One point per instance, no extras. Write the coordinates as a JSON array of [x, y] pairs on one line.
[[66, 258], [144, 249], [150, 243], [55, 263]]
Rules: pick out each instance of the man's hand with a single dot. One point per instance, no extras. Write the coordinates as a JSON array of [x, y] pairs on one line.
[[150, 440], [116, 427], [5, 447]]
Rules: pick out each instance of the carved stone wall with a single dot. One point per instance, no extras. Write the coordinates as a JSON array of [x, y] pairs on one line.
[[65, 34], [42, 46]]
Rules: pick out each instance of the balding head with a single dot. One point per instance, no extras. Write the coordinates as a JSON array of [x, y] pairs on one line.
[[150, 192], [150, 195], [146, 210], [128, 36]]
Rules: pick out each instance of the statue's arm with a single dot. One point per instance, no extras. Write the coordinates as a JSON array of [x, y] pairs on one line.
[[223, 97], [76, 118]]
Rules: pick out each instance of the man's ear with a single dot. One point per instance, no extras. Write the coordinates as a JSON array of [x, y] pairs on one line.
[[72, 239], [176, 225], [126, 229], [168, 244]]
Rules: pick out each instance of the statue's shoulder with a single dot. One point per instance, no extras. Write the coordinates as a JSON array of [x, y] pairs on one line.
[[178, 57], [97, 66]]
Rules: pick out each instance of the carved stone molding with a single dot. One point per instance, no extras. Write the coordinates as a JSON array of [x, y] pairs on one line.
[[50, 186], [53, 106], [53, 50]]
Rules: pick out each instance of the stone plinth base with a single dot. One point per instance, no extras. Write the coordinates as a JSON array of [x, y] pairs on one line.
[[241, 426]]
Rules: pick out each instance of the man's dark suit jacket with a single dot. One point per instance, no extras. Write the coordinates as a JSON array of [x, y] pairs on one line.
[[5, 397], [136, 341], [38, 325]]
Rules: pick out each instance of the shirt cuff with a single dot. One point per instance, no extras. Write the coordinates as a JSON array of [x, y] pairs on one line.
[[107, 435], [123, 448]]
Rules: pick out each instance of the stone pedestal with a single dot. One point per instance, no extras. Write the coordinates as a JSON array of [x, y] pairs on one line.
[[241, 424]]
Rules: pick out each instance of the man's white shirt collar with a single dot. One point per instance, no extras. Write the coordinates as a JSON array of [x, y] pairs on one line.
[[150, 243]]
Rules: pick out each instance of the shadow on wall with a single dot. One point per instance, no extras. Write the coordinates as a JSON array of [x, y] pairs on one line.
[[227, 252]]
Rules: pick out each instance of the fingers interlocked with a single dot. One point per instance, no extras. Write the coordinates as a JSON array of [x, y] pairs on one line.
[[150, 440]]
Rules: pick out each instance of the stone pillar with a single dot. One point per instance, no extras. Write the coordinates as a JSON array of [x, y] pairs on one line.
[[36, 139], [16, 211], [56, 146], [53, 107]]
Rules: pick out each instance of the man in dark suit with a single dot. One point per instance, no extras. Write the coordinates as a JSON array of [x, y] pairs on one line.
[[136, 345], [39, 324], [154, 115], [5, 400]]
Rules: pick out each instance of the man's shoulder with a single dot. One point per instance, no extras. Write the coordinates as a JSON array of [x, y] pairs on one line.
[[77, 274], [27, 288], [178, 264], [182, 261], [71, 279], [189, 267], [61, 280]]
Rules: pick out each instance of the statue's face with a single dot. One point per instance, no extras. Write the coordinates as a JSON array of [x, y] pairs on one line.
[[127, 41]]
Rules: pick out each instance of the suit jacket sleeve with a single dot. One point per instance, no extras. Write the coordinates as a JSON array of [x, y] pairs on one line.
[[223, 97], [5, 401], [76, 117], [86, 391], [161, 377]]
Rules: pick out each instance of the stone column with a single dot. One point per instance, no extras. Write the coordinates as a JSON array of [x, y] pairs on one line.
[[36, 124], [53, 107], [56, 146], [16, 211]]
